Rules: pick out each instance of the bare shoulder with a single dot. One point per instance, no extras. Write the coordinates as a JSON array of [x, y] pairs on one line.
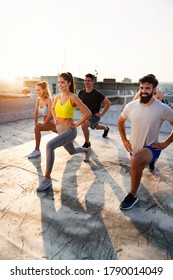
[[74, 100], [37, 101], [48, 100], [57, 97], [74, 97]]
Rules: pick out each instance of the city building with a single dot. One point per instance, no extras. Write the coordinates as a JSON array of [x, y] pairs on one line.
[[126, 80]]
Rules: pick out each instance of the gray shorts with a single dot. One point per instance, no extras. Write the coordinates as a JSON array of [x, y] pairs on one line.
[[94, 120]]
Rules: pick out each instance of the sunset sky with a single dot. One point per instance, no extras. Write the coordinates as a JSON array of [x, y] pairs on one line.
[[117, 38]]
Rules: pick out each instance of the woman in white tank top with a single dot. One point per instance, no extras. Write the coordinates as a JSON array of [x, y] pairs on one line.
[[42, 107]]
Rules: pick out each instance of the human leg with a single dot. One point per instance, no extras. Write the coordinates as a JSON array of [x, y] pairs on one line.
[[43, 127], [38, 128], [138, 162], [61, 140], [85, 128], [156, 154], [151, 166], [91, 122], [64, 139], [103, 127], [37, 131], [71, 149], [36, 152]]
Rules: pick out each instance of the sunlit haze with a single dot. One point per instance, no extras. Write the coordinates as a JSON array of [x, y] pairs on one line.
[[116, 38]]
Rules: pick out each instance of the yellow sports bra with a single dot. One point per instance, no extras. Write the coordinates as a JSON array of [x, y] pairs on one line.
[[64, 111]]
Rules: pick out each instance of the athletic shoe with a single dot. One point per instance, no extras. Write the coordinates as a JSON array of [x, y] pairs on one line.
[[152, 167], [86, 145], [129, 201], [45, 184], [34, 154], [105, 134]]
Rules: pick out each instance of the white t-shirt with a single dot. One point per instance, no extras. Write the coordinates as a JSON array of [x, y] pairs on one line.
[[145, 122]]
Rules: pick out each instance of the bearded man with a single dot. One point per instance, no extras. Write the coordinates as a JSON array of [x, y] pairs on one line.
[[146, 115]]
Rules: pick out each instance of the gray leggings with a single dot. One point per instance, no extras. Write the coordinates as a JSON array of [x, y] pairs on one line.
[[65, 138]]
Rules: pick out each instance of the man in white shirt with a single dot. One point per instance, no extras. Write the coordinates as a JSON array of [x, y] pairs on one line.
[[146, 115]]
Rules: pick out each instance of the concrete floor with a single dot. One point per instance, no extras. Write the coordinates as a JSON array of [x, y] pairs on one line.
[[79, 218]]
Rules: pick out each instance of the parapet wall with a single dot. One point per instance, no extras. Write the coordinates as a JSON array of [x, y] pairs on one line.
[[113, 87], [118, 93]]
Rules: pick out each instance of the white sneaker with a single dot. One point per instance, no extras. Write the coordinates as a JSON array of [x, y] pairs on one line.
[[34, 154], [45, 184]]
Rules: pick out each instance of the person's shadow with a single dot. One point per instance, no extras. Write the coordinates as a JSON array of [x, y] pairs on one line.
[[74, 223], [37, 163], [75, 231]]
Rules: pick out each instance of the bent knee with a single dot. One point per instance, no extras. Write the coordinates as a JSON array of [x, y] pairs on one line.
[[48, 146], [37, 128], [135, 160], [138, 161], [85, 125]]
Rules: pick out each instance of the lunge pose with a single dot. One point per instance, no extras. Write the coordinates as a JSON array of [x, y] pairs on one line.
[[146, 115], [93, 99], [63, 109], [43, 107]]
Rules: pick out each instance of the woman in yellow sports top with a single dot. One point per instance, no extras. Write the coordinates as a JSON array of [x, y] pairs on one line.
[[63, 109]]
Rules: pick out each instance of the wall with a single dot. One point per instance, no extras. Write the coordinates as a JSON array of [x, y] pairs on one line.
[[114, 87], [52, 80]]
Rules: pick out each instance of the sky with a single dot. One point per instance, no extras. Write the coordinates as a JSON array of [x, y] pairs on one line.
[[110, 38]]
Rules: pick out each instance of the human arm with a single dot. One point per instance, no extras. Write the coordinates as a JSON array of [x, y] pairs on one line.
[[165, 101], [121, 128], [86, 113], [164, 144], [36, 111], [53, 109], [137, 95], [49, 116], [159, 95], [107, 104]]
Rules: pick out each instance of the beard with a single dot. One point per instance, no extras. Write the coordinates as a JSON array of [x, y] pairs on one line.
[[145, 99]]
